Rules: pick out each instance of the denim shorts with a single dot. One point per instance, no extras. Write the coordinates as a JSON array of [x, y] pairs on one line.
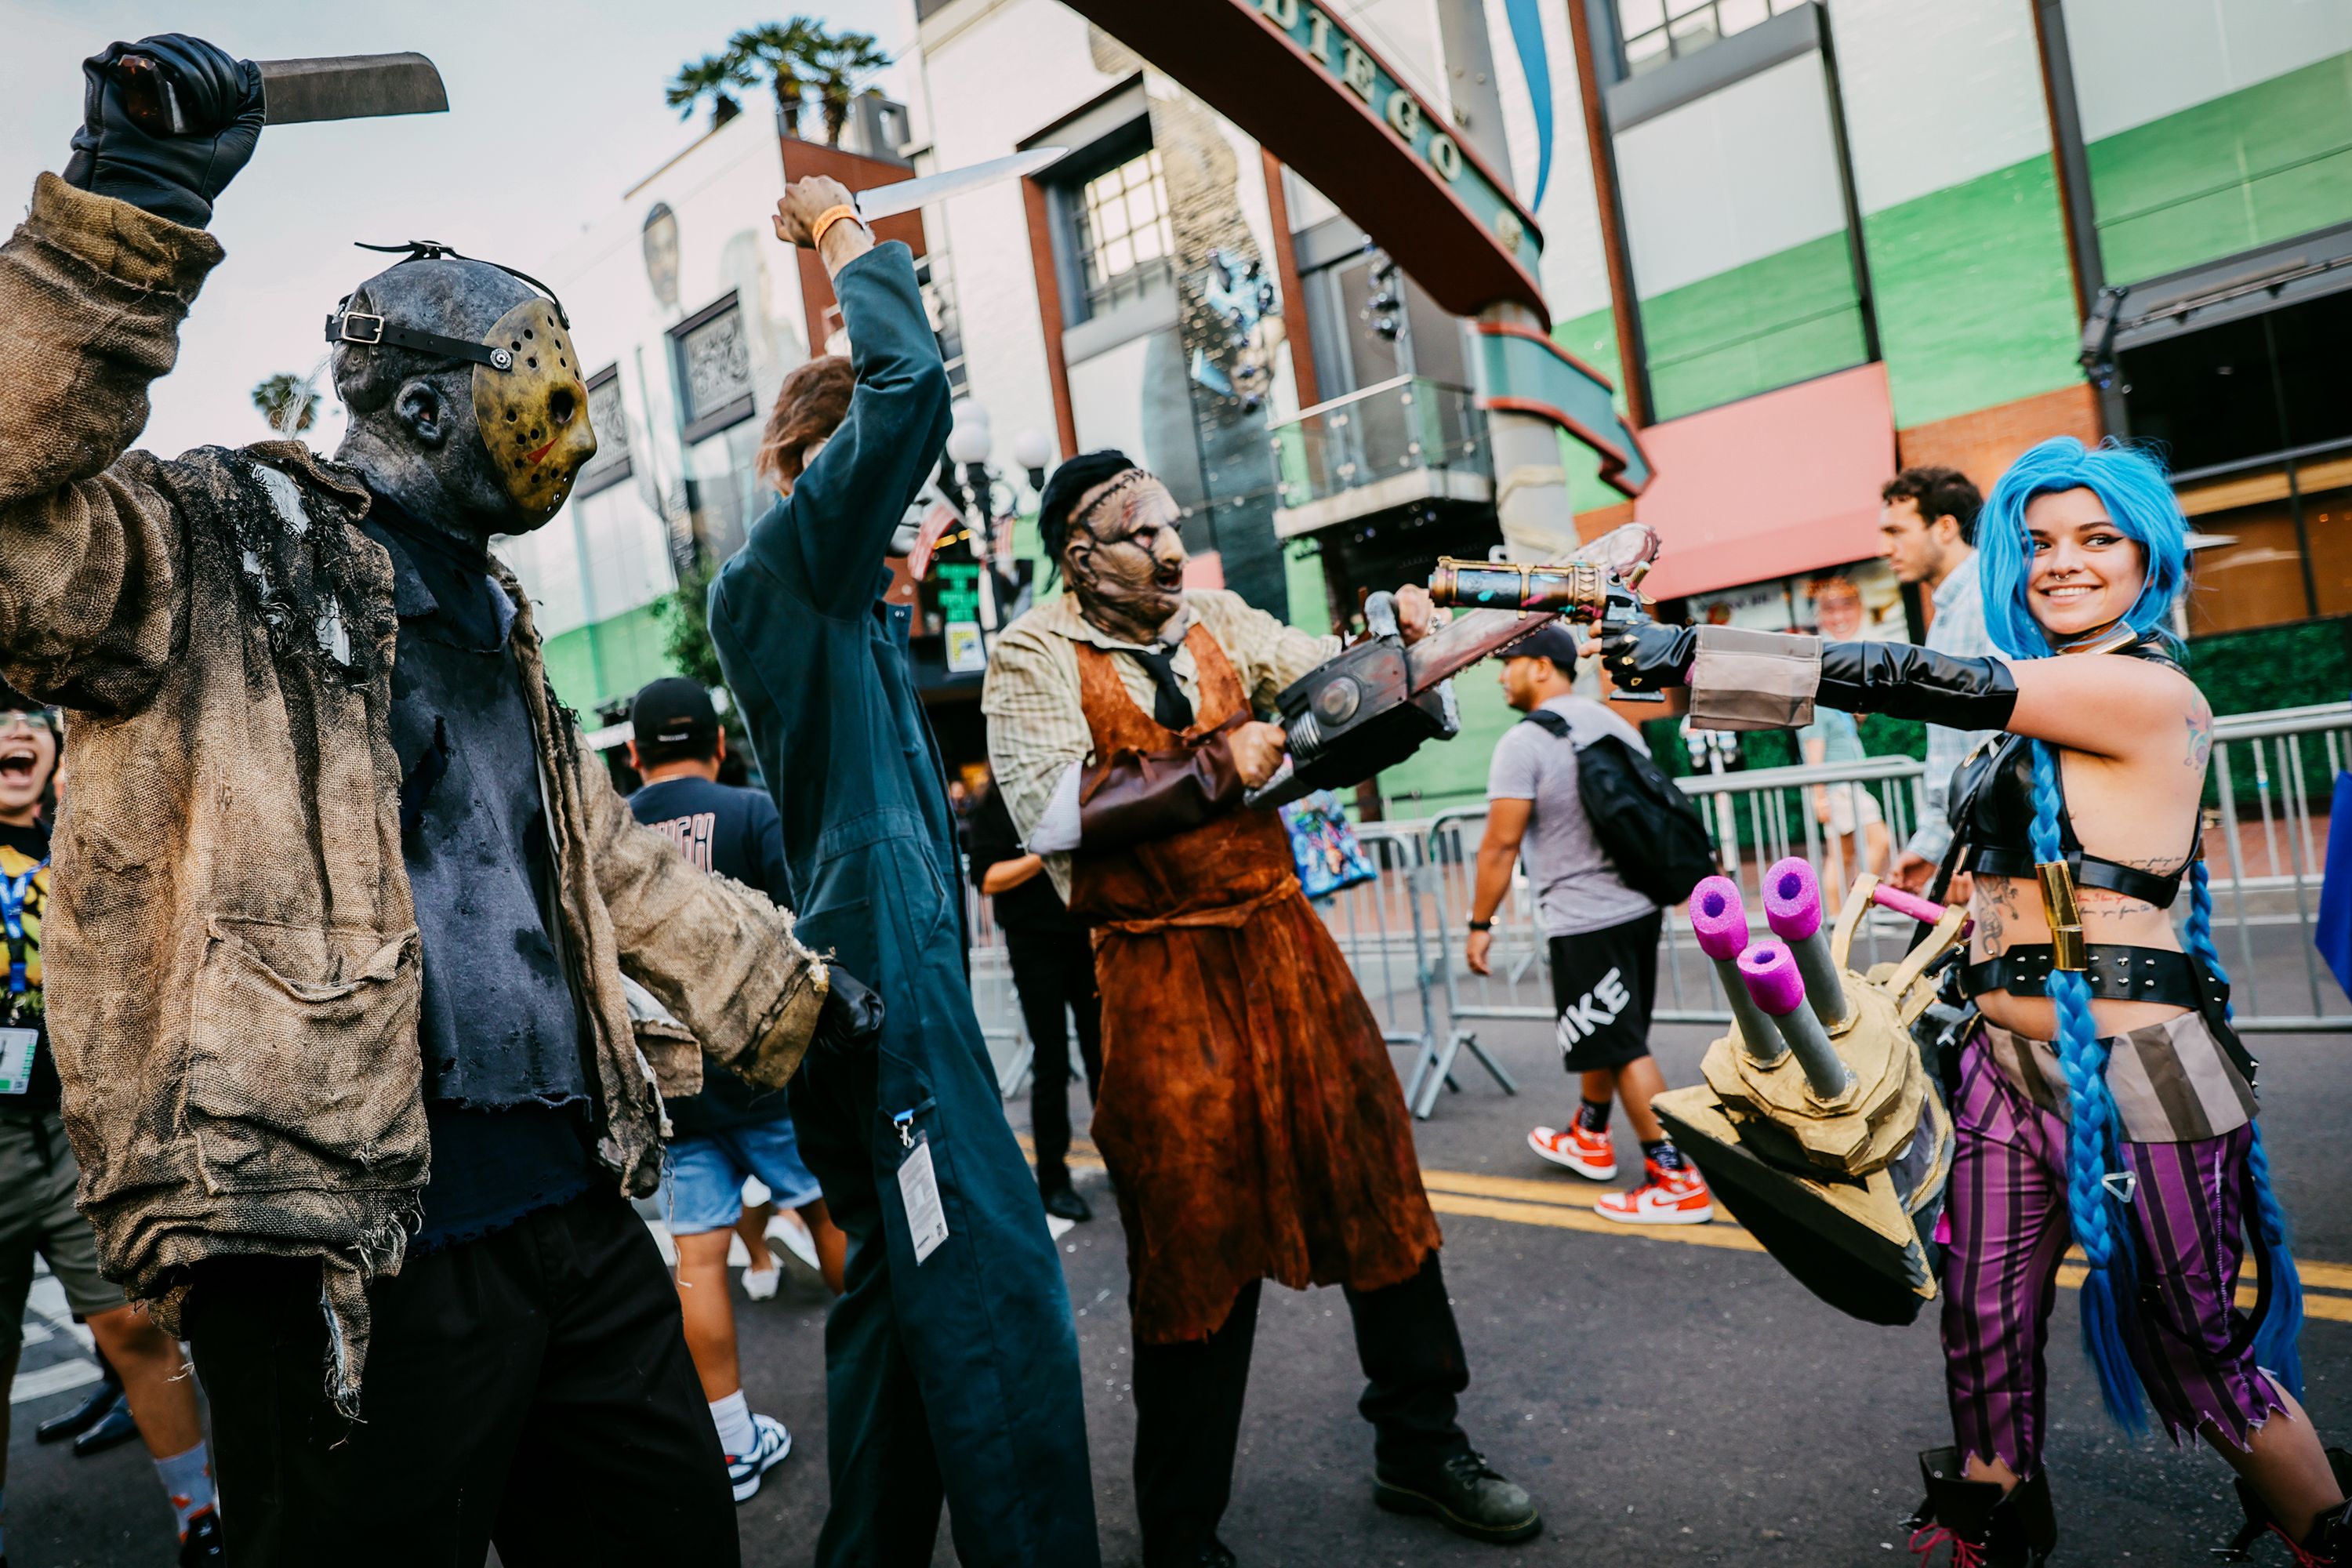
[[702, 1180]]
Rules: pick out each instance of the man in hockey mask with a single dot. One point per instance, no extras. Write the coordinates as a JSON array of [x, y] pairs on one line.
[[341, 899]]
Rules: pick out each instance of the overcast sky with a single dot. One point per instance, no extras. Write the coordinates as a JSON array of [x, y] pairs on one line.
[[555, 110]]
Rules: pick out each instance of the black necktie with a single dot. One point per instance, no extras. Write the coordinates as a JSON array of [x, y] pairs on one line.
[[1170, 708]]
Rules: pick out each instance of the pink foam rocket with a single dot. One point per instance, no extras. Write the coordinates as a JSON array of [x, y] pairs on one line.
[[1719, 919], [1769, 974], [1792, 907]]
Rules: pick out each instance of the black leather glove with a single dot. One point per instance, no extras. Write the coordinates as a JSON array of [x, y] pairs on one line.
[[1643, 656], [173, 176], [1912, 682], [851, 1018]]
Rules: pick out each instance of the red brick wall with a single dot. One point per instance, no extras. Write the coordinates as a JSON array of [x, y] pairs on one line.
[[1980, 445]]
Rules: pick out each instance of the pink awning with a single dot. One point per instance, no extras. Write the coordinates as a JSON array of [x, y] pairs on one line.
[[1771, 486]]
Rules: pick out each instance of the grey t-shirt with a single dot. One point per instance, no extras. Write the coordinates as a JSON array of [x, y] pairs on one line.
[[1577, 889]]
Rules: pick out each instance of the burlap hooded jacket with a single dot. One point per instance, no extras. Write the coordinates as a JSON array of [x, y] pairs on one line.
[[231, 951]]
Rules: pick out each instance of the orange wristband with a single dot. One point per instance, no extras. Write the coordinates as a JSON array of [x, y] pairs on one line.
[[826, 219]]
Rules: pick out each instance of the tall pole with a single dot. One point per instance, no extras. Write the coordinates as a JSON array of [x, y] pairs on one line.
[[1531, 486]]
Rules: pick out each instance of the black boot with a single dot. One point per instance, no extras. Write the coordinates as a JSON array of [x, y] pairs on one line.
[[1461, 1493], [110, 1430], [86, 1415], [2330, 1540], [1985, 1529], [1064, 1202]]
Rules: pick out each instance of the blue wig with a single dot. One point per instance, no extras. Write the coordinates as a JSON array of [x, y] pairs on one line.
[[2140, 503]]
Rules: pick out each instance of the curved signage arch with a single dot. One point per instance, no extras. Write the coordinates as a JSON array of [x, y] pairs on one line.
[[1299, 79]]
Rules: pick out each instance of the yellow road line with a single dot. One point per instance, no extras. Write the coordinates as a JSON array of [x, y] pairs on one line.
[[1521, 1200]]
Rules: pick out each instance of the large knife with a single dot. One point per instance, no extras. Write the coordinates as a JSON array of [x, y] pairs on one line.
[[906, 195], [335, 87]]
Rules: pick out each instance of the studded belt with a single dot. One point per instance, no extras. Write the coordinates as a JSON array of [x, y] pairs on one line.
[[2116, 972]]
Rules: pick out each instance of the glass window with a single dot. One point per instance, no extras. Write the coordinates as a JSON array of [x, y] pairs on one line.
[[1123, 228], [1657, 31]]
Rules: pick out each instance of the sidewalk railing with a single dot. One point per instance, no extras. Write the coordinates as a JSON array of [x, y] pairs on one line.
[[1403, 932]]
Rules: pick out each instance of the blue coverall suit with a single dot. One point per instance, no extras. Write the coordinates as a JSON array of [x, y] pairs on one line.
[[959, 1375]]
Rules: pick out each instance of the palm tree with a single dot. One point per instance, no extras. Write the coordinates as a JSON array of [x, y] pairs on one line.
[[288, 402], [717, 77], [838, 61], [784, 50]]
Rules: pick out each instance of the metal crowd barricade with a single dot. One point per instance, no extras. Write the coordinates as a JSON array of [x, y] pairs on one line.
[[1382, 928], [2272, 844], [2271, 780], [1755, 818]]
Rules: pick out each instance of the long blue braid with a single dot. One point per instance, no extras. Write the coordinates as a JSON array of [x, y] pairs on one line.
[[2104, 1235], [2276, 1347]]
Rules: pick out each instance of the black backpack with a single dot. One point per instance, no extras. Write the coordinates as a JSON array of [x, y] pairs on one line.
[[1653, 836]]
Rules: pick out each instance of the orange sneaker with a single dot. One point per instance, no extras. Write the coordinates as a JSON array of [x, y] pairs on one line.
[[1668, 1198], [1586, 1152]]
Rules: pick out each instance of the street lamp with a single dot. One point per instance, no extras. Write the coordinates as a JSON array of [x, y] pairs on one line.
[[1033, 449]]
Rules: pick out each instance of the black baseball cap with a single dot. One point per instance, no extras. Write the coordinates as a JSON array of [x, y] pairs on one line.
[[1555, 640], [673, 711]]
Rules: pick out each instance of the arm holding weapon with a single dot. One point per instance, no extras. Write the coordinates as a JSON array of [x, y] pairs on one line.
[[93, 287]]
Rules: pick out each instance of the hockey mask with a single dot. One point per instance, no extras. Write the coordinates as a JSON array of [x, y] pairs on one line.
[[533, 410], [531, 402]]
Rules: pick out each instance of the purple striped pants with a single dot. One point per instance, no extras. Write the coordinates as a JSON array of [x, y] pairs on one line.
[[2010, 1229]]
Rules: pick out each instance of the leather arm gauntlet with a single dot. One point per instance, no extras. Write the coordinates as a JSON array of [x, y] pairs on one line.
[[1750, 680], [1136, 795], [1910, 682]]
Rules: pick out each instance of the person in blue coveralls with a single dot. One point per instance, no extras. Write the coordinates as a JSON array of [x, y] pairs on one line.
[[952, 1363]]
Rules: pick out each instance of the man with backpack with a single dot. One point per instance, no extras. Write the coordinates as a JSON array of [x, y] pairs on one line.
[[1607, 841]]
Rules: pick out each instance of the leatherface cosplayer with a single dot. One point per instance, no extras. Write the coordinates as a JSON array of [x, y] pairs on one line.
[[1248, 1111], [349, 927], [2101, 1095]]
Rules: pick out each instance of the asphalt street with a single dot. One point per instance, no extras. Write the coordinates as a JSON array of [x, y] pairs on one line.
[[1667, 1397]]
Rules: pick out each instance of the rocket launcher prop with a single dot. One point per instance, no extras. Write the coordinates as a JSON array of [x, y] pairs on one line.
[[1816, 1122]]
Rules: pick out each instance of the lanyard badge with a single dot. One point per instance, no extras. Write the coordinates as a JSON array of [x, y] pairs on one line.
[[13, 893]]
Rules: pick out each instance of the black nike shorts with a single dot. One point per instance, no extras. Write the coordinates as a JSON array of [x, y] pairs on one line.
[[1604, 985]]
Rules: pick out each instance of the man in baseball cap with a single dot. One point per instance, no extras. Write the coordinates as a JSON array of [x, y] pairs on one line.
[[1603, 935]]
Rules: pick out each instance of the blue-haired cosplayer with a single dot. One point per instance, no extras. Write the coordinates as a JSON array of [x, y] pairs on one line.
[[2101, 1095]]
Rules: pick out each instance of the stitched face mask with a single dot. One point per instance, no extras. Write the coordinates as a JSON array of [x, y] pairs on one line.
[[533, 410]]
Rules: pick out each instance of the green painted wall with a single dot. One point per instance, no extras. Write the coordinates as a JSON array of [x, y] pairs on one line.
[[607, 661], [2263, 164], [1447, 773], [1974, 296], [1785, 318], [1310, 594]]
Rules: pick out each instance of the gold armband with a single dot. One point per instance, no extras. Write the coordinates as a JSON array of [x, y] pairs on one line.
[[2065, 916]]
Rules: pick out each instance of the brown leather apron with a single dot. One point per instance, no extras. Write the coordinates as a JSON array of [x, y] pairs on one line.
[[1248, 1110]]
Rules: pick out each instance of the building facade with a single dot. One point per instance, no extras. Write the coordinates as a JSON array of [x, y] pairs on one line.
[[1811, 241], [1808, 241]]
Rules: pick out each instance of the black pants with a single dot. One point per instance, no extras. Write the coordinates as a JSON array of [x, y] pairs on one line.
[[530, 1388], [1188, 1403], [1054, 970]]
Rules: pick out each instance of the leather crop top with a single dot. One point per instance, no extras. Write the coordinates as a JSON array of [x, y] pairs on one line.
[[1994, 822]]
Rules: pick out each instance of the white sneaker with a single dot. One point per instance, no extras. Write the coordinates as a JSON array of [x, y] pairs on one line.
[[792, 1233], [760, 1284], [774, 1444]]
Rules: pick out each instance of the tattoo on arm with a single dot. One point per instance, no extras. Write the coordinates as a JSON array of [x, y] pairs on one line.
[[2200, 738]]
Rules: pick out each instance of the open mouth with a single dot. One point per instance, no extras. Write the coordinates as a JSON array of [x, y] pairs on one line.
[[17, 762]]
